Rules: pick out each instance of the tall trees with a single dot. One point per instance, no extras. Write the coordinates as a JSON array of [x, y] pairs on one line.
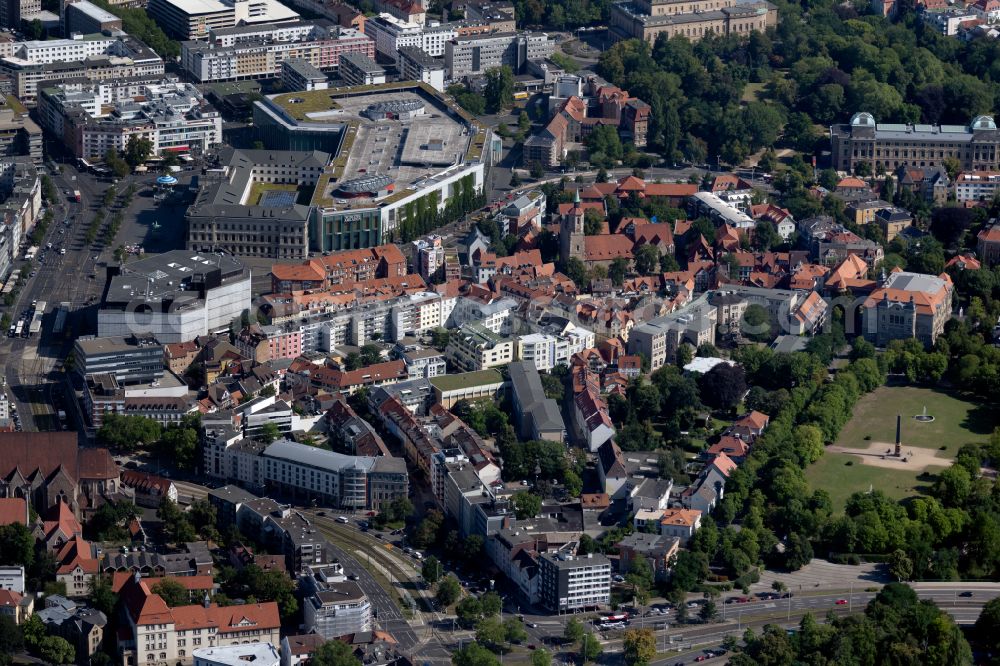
[[499, 93]]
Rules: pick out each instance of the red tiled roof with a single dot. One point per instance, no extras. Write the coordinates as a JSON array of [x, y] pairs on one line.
[[13, 510], [310, 270], [754, 419], [670, 189], [607, 247]]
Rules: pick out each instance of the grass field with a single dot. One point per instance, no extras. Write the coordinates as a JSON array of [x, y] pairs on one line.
[[957, 422], [832, 474]]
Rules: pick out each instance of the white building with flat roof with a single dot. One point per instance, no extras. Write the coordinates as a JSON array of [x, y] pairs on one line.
[[257, 654]]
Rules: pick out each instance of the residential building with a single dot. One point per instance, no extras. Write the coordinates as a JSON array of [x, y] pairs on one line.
[[498, 14], [231, 214], [977, 186], [537, 416], [719, 211], [16, 606], [261, 51], [658, 550], [569, 583], [908, 305], [889, 146], [424, 363], [473, 55], [12, 577], [175, 296], [173, 116], [475, 347], [391, 33], [660, 338], [153, 633], [646, 19], [82, 626], [893, 221], [680, 523], [299, 649], [428, 257], [128, 360], [332, 605], [335, 479], [988, 244], [150, 490], [194, 19], [358, 69]]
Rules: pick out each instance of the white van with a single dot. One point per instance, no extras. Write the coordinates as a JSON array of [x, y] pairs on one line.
[[342, 519]]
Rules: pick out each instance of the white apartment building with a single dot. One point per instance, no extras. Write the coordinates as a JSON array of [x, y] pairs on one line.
[[977, 185], [497, 316], [568, 582], [538, 348], [476, 347], [391, 33]]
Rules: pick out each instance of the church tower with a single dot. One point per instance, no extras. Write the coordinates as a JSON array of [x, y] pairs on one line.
[[571, 232]]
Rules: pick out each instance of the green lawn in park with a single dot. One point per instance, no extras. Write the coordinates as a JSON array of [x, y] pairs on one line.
[[956, 421], [832, 474]]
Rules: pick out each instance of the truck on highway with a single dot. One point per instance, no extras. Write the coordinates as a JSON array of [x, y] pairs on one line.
[[76, 196], [19, 329]]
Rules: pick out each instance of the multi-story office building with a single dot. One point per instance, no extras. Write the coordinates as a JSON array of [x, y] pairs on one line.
[[19, 135], [174, 296], [193, 19], [235, 211], [14, 12], [172, 115], [134, 359], [357, 69], [85, 18], [417, 65], [94, 57], [357, 482], [475, 54], [888, 146], [253, 52], [907, 305], [332, 605], [569, 583]]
